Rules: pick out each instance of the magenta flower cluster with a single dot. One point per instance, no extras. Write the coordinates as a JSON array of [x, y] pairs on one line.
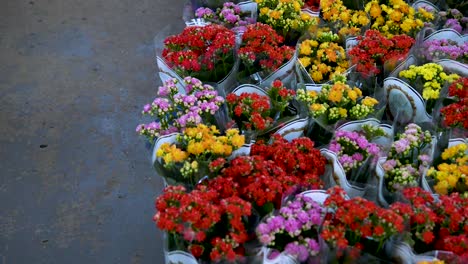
[[445, 49], [175, 111], [407, 160], [294, 230], [352, 149], [230, 15]]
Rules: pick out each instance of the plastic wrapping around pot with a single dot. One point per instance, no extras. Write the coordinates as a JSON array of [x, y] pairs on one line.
[[401, 252], [293, 129]]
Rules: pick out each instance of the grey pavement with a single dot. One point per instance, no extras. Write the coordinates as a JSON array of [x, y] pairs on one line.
[[76, 184]]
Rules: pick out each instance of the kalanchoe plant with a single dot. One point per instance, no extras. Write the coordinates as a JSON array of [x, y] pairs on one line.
[[195, 148], [357, 222], [454, 19], [204, 52], [294, 230], [210, 227], [355, 153], [262, 50], [250, 111], [323, 57], [349, 21], [434, 224], [174, 111], [407, 160], [337, 101], [452, 174], [230, 15], [285, 17], [374, 49], [280, 97], [456, 113], [445, 49]]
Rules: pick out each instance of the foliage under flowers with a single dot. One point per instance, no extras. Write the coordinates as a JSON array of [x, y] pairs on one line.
[[456, 114], [280, 97], [431, 76], [285, 17], [374, 49], [196, 145], [175, 111], [352, 221], [396, 17], [406, 161], [230, 15], [435, 224], [204, 52], [250, 111], [452, 175], [211, 227], [323, 57], [294, 230], [337, 101], [350, 21], [262, 49], [353, 150]]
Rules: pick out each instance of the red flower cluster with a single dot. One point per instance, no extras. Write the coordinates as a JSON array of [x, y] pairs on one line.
[[250, 110], [374, 49], [280, 96], [197, 217], [442, 224], [297, 158], [262, 48], [357, 219], [199, 49], [456, 114]]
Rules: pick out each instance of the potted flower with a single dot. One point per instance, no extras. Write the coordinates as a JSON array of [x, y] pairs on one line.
[[203, 52], [263, 55], [454, 19], [334, 102], [174, 110], [286, 18], [358, 224], [202, 224], [230, 15], [322, 57], [292, 232], [187, 158], [433, 224], [456, 113], [408, 159], [348, 19]]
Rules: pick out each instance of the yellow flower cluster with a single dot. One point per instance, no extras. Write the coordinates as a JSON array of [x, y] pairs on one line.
[[337, 101], [200, 143], [431, 75], [431, 262], [349, 21], [322, 57], [396, 18], [285, 16], [452, 176]]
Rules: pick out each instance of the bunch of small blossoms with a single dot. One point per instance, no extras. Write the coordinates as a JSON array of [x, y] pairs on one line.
[[352, 149], [454, 19], [204, 52], [452, 175], [175, 111], [445, 49], [406, 162], [250, 111], [195, 217], [322, 57], [397, 17], [198, 144], [230, 15], [350, 21], [262, 49], [431, 75], [375, 49], [284, 16], [456, 114], [354, 220], [294, 230], [280, 96], [337, 101]]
